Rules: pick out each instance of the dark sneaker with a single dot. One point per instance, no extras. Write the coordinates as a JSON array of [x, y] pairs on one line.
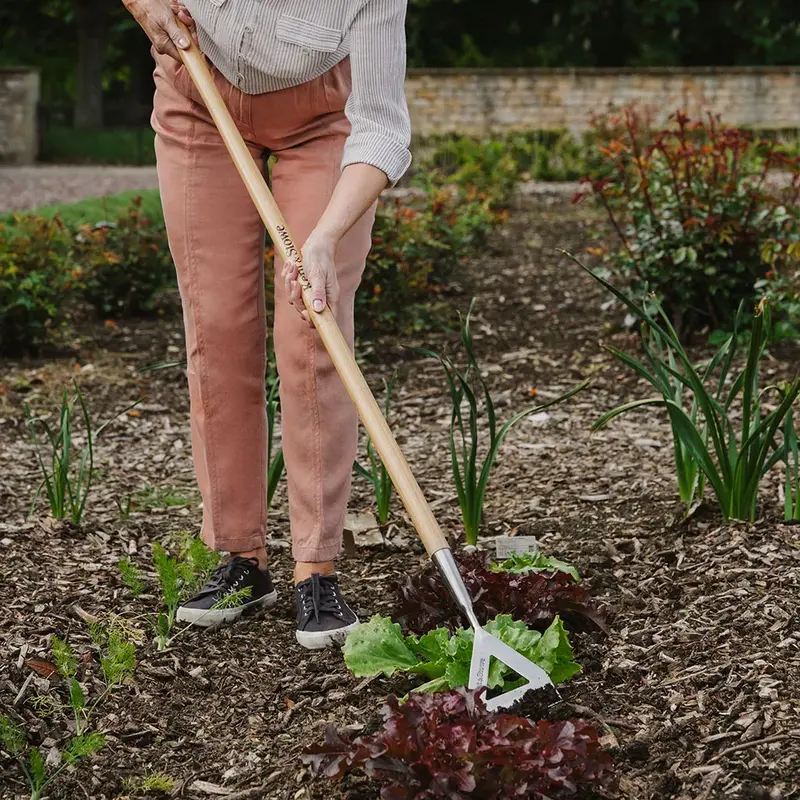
[[323, 617], [217, 603]]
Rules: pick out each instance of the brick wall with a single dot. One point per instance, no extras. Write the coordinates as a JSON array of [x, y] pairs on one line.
[[19, 96], [481, 101]]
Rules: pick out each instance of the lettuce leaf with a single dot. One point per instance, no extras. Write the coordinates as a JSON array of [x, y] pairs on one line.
[[379, 647], [376, 647]]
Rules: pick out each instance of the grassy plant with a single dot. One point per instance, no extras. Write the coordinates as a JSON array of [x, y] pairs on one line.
[[275, 463], [377, 474], [791, 458], [470, 470], [68, 473], [158, 497], [132, 577], [733, 454], [124, 507]]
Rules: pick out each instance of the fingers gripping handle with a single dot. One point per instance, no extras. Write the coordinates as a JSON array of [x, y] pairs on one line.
[[396, 465]]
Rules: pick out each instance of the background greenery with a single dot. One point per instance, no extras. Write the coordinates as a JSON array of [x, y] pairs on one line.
[[96, 66]]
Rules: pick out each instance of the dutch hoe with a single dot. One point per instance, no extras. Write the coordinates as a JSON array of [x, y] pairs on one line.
[[485, 645]]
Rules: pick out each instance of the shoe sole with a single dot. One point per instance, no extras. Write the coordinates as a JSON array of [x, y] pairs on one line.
[[206, 618], [319, 640]]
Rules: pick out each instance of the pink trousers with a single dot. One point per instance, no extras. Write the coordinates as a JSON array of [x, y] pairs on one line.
[[217, 241]]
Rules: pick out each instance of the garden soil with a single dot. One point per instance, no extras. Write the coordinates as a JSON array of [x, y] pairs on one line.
[[695, 690]]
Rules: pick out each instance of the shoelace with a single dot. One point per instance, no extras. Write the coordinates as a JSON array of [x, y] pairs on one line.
[[320, 595], [227, 576]]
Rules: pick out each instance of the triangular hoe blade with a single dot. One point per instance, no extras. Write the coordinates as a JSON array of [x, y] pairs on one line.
[[485, 646]]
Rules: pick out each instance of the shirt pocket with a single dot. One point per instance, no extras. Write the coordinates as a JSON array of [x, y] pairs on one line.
[[310, 37], [207, 13]]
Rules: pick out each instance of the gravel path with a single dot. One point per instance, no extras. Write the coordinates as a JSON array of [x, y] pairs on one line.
[[23, 188]]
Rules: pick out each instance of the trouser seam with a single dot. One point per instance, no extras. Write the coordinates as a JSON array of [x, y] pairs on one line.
[[196, 300]]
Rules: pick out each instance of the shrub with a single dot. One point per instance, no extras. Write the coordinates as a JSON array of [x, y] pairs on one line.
[[36, 272], [448, 745], [126, 263], [417, 246], [697, 214]]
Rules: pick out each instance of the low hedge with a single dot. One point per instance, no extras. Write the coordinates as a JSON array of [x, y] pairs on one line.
[[111, 254]]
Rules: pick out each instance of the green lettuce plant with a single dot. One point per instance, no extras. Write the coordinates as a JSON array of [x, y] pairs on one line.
[[535, 561], [471, 463], [379, 647], [727, 436]]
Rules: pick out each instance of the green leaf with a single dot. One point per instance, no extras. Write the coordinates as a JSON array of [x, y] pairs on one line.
[[37, 768], [378, 646], [66, 663], [84, 746], [457, 673], [553, 653], [77, 699], [536, 561], [12, 739]]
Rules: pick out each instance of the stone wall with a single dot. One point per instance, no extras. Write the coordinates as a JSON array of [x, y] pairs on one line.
[[19, 98], [481, 101]]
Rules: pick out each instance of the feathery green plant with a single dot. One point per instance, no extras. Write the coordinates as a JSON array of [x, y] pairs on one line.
[[117, 660], [132, 576], [168, 578], [732, 452], [377, 474], [470, 472], [149, 783], [67, 485]]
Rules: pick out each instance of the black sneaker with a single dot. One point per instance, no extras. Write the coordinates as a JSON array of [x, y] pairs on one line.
[[323, 616], [211, 606]]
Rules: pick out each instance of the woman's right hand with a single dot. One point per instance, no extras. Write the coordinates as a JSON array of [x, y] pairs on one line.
[[157, 19]]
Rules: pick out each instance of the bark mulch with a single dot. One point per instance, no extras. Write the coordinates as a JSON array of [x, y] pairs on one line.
[[695, 689]]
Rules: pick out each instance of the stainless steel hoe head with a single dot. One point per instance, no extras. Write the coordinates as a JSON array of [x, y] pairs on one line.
[[486, 646]]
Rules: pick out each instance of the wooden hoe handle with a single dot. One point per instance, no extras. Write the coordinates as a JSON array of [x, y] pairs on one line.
[[396, 465]]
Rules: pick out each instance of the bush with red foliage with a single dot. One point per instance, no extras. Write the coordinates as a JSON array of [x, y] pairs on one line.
[[702, 214]]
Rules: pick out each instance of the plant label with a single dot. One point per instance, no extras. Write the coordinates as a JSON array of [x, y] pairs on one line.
[[506, 545]]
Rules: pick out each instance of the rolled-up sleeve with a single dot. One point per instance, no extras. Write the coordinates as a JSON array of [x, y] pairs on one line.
[[377, 110]]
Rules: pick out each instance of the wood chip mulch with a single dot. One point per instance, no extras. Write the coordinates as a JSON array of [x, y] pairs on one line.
[[695, 690]]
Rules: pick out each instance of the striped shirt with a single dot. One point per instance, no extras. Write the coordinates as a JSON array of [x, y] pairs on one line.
[[265, 45]]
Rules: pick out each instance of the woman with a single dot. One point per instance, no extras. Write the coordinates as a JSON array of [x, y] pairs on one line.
[[321, 87]]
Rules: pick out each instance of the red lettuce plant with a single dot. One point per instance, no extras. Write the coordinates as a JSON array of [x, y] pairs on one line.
[[536, 598], [448, 745], [702, 214]]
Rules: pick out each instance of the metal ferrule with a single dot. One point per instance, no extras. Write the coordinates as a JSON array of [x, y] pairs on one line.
[[452, 577]]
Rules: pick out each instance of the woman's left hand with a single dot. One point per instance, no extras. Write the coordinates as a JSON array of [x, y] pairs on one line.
[[319, 265]]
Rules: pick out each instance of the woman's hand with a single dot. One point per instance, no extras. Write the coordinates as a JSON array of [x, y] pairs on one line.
[[157, 19], [319, 265]]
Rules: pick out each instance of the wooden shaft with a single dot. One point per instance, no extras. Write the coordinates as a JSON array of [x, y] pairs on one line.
[[396, 465]]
